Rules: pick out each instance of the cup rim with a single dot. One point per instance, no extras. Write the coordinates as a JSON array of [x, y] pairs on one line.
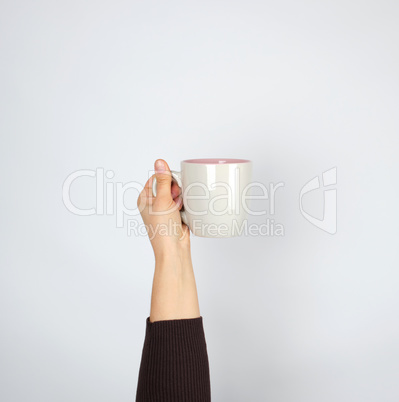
[[215, 161]]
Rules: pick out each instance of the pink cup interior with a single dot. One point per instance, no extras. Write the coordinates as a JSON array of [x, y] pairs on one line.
[[221, 161]]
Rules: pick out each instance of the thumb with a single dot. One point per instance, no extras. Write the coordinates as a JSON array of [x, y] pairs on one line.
[[164, 178]]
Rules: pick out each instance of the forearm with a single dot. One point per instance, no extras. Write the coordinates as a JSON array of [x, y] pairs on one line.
[[174, 291]]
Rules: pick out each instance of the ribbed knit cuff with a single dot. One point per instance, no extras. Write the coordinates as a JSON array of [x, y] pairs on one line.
[[174, 365]]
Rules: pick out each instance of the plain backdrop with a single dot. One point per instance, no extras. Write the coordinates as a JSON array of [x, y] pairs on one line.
[[298, 88]]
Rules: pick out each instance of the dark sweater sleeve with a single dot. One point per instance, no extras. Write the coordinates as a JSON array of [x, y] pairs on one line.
[[174, 364]]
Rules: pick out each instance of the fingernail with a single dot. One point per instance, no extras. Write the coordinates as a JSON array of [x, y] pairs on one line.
[[159, 166]]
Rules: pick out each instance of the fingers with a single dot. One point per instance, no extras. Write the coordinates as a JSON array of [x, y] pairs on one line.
[[165, 187], [145, 197], [164, 179], [175, 190], [148, 186], [147, 190], [176, 195], [179, 202]]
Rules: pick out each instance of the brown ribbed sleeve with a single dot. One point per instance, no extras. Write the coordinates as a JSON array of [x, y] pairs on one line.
[[174, 364]]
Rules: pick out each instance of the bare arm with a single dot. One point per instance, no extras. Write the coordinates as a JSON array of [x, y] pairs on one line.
[[174, 292]]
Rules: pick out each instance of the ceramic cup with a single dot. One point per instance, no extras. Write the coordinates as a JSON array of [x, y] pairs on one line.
[[214, 195]]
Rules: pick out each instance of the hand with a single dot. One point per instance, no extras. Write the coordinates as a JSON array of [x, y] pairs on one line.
[[167, 233]]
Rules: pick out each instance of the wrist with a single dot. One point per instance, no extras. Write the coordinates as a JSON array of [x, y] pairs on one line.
[[173, 256], [172, 249]]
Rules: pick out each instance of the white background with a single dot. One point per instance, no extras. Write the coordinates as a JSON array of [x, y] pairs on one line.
[[298, 88]]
